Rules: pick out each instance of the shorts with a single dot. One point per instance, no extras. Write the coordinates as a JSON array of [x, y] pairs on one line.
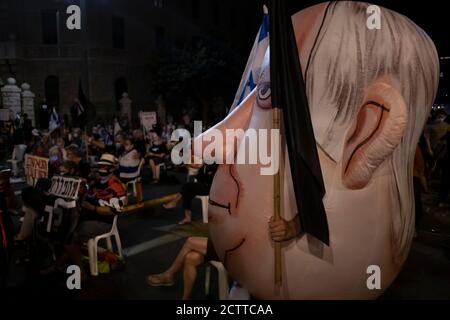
[[156, 160]]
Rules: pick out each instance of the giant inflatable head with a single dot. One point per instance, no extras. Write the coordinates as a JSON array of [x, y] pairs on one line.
[[369, 94]]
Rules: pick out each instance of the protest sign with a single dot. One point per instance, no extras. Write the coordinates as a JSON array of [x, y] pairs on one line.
[[148, 119], [35, 168], [64, 187]]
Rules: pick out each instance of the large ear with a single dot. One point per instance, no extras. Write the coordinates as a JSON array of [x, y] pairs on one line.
[[376, 132]]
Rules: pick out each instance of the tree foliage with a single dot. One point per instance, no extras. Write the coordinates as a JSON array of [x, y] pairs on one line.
[[202, 71]]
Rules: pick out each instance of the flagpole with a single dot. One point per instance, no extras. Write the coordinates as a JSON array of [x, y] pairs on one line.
[[277, 204]]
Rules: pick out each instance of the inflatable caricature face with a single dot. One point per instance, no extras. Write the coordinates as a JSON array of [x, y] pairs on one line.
[[369, 94]]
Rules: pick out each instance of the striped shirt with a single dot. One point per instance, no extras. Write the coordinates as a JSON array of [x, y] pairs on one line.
[[129, 165]]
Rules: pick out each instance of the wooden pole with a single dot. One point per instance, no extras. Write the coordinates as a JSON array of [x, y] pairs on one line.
[[277, 205]]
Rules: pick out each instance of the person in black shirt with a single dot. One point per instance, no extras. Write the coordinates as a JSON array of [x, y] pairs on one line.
[[200, 187], [156, 155]]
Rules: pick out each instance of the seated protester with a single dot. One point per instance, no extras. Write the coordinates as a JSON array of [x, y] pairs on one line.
[[76, 137], [47, 236], [55, 158], [201, 187], [74, 154], [32, 207], [61, 145], [194, 252], [156, 155], [69, 169], [107, 140], [139, 142], [103, 201], [96, 145], [119, 141], [34, 200], [39, 150], [129, 162]]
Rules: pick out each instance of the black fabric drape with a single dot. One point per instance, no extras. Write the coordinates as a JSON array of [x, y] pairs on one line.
[[288, 94], [87, 106]]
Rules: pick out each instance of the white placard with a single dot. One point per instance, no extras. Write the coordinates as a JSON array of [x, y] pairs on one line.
[[148, 119], [65, 187]]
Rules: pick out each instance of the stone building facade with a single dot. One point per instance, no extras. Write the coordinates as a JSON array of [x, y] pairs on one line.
[[112, 52]]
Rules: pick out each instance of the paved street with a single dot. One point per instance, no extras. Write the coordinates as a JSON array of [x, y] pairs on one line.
[[151, 239]]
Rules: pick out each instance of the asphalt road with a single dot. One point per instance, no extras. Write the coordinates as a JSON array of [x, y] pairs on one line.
[[151, 239]]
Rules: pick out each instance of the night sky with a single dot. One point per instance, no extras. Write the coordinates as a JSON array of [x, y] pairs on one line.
[[431, 15]]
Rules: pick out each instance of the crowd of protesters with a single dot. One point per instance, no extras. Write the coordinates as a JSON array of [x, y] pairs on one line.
[[108, 157], [432, 162]]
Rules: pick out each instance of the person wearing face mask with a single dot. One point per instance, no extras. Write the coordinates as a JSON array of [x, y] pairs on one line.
[[105, 197], [118, 145], [102, 202]]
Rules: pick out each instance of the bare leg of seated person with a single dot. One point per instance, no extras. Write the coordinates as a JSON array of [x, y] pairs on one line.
[[153, 168], [156, 170], [173, 203], [187, 217], [190, 256]]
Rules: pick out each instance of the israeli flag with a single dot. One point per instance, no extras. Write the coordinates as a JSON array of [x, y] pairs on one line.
[[55, 122], [253, 68]]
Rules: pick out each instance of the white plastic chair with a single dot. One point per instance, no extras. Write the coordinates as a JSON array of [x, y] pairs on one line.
[[17, 157], [93, 246], [135, 181], [222, 273], [223, 279], [205, 201]]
